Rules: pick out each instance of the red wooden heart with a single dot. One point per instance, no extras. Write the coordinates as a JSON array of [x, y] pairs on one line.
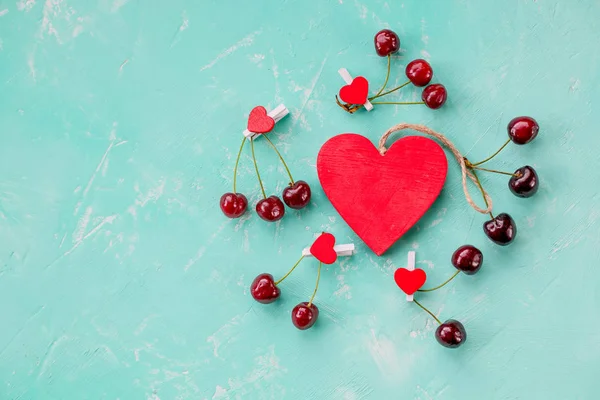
[[356, 92], [322, 248], [259, 121], [381, 197], [410, 281]]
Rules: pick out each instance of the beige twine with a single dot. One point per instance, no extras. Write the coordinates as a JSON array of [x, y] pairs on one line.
[[457, 155]]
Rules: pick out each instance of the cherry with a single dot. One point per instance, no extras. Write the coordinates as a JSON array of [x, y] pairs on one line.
[[451, 334], [270, 209], [264, 290], [297, 195], [524, 182], [304, 315], [419, 72], [434, 96], [501, 230], [523, 130], [467, 259], [386, 42], [233, 205]]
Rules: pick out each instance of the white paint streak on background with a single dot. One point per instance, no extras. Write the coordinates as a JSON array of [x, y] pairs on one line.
[[4, 12], [244, 42]]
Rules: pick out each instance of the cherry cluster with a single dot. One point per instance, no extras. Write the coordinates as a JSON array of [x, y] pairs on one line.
[[418, 72], [296, 195], [524, 182]]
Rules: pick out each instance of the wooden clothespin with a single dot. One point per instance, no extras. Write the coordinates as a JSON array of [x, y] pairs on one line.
[[259, 121], [348, 79]]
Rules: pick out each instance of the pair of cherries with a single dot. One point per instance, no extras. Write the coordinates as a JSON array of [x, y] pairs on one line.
[[524, 182]]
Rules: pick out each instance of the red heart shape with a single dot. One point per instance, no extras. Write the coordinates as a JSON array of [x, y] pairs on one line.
[[410, 281], [356, 92], [322, 248], [259, 121], [381, 197]]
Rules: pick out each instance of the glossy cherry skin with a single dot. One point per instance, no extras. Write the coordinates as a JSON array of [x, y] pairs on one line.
[[451, 334], [264, 290], [303, 316], [522, 130], [524, 182], [386, 42], [467, 259], [419, 72], [270, 209], [502, 230], [297, 195], [434, 96], [233, 205]]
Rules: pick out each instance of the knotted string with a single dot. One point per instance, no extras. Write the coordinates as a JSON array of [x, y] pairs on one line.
[[462, 161]]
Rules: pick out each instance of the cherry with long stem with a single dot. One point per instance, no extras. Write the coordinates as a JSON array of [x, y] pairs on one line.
[[442, 285], [493, 155], [280, 158], [316, 285], [262, 188], [427, 311], [237, 161], [289, 272]]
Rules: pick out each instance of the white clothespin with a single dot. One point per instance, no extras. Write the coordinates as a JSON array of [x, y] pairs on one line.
[[340, 250], [411, 267], [277, 114], [348, 79]]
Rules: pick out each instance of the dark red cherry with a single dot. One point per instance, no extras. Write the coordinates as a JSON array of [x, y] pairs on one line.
[[524, 182], [386, 42], [263, 289], [434, 96], [501, 230], [270, 209], [451, 334], [523, 130], [419, 72], [467, 259], [233, 205], [297, 195], [303, 316]]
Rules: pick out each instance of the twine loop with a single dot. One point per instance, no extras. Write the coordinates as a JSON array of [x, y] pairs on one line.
[[462, 161]]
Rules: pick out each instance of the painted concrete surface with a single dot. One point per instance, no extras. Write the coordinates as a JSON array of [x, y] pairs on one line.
[[120, 278]]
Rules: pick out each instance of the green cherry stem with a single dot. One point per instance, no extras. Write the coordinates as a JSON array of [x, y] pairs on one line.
[[440, 286], [280, 158], [495, 171], [316, 286], [290, 271], [427, 311], [482, 191], [389, 91], [262, 188], [397, 102], [237, 161], [493, 155], [387, 76]]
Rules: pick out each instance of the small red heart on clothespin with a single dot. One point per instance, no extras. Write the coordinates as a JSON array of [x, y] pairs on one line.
[[356, 92], [322, 249], [259, 121], [410, 281]]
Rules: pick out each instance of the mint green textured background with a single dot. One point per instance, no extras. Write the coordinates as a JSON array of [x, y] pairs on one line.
[[121, 279]]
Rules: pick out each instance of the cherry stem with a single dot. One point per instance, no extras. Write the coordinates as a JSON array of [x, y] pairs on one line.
[[428, 312], [389, 91], [482, 191], [387, 77], [317, 285], [290, 271], [397, 102], [493, 155], [262, 188], [237, 160], [494, 171], [442, 285], [280, 158]]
